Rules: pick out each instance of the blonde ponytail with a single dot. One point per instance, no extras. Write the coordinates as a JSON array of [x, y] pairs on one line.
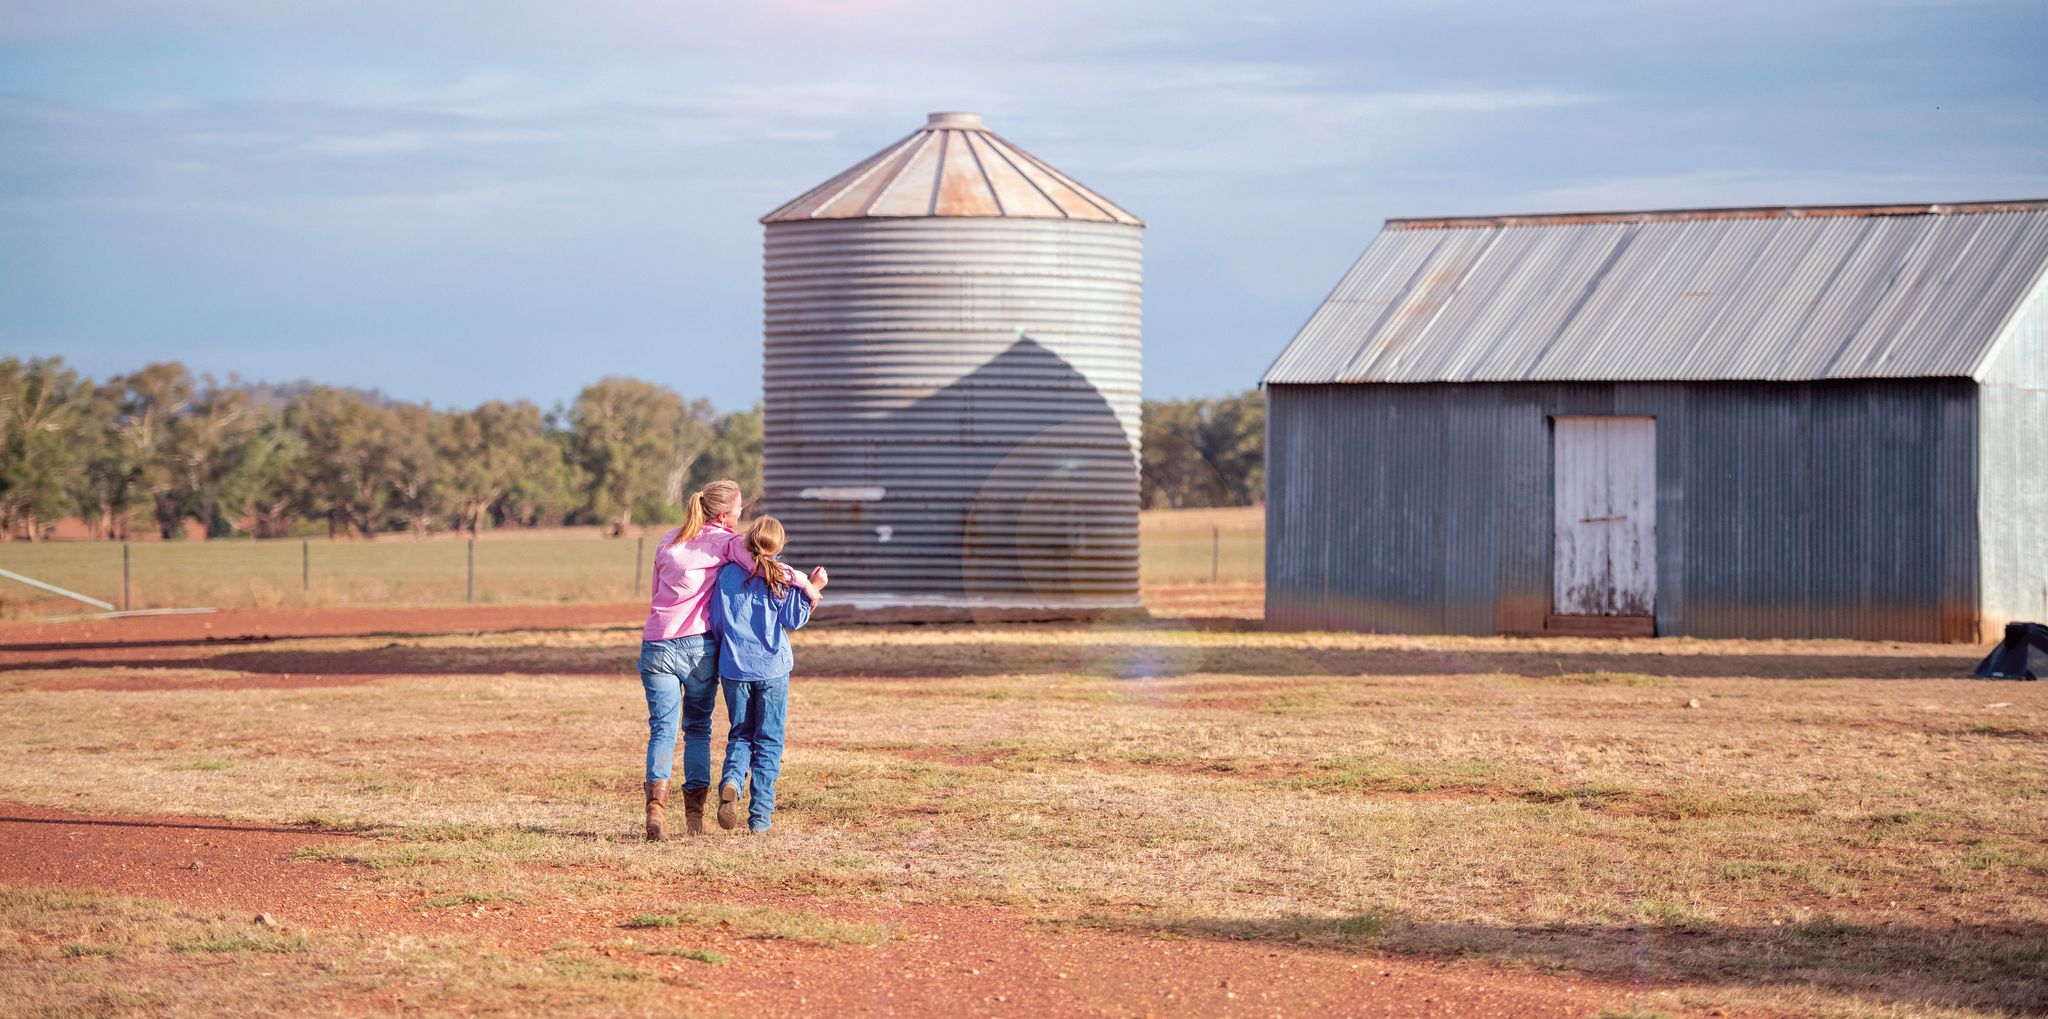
[[706, 504], [693, 517], [764, 540]]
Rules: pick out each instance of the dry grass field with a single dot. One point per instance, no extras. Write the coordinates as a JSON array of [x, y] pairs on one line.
[[564, 565], [556, 566], [1198, 546], [450, 823]]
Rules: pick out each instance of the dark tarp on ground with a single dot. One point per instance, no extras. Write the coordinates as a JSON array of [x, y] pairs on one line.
[[2023, 654]]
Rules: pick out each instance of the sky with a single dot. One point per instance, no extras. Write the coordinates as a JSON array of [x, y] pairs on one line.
[[510, 199]]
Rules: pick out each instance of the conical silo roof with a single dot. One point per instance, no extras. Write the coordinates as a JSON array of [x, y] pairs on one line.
[[952, 166]]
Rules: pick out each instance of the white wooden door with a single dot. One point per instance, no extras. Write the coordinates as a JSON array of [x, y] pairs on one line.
[[1606, 485]]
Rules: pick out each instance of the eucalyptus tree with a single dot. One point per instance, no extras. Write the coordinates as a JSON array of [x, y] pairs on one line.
[[1204, 452], [734, 451], [347, 465], [209, 443], [635, 441], [148, 404], [549, 485], [104, 488], [487, 452], [412, 445], [40, 401], [273, 478]]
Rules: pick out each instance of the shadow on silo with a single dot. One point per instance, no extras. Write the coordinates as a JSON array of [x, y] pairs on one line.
[[1014, 487]]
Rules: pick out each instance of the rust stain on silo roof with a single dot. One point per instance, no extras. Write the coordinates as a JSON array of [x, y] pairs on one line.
[[952, 166]]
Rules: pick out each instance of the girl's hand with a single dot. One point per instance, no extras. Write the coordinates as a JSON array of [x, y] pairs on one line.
[[819, 578]]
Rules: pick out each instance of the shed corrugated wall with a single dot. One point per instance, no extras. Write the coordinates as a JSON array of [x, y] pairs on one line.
[[1818, 509], [2013, 460]]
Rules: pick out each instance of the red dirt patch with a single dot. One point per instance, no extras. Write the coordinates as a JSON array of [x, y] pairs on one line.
[[234, 641], [239, 865], [259, 624], [942, 960], [156, 681]]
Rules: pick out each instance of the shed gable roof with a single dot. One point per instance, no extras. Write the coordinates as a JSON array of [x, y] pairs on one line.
[[1778, 294]]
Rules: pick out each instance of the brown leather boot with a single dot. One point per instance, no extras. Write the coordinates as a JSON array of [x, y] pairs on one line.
[[693, 810], [657, 811], [728, 806]]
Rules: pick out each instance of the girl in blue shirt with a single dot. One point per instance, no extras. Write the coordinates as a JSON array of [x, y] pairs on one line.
[[753, 612]]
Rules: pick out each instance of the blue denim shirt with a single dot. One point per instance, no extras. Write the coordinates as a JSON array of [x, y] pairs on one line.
[[753, 625]]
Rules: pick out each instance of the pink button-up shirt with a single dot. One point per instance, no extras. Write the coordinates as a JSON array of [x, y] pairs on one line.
[[685, 573]]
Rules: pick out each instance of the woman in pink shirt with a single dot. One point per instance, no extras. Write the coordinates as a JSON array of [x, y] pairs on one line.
[[679, 653]]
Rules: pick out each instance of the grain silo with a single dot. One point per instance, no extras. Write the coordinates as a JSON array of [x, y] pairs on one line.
[[952, 380]]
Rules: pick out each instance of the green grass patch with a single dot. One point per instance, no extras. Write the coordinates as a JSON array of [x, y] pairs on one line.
[[1592, 794], [2004, 731], [1823, 928], [468, 847], [1745, 870], [585, 968], [1602, 677], [1698, 806], [1310, 701], [2005, 853], [1631, 1012], [1664, 912], [202, 766], [1362, 927], [843, 793], [1384, 774], [242, 943], [767, 923], [472, 899], [698, 954], [1372, 927], [375, 857]]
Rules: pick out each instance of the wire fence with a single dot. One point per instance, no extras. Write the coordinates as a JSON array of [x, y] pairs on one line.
[[513, 569], [1217, 554], [387, 571]]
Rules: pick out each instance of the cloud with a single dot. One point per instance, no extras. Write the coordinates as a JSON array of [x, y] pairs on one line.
[[454, 178], [358, 145]]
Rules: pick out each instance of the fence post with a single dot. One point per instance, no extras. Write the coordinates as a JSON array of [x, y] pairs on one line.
[[471, 595], [305, 568], [639, 556], [1215, 554], [125, 606]]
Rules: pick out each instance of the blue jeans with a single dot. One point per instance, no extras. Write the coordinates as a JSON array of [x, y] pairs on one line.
[[681, 678], [754, 743]]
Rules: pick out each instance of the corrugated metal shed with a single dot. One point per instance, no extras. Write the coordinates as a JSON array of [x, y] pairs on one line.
[[952, 166], [1849, 403], [1776, 294]]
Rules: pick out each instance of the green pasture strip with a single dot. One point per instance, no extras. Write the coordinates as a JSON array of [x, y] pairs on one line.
[[397, 569]]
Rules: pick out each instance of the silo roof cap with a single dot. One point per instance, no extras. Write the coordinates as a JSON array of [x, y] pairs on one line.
[[952, 166]]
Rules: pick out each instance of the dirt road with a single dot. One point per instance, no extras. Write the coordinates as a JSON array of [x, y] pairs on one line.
[[940, 961]]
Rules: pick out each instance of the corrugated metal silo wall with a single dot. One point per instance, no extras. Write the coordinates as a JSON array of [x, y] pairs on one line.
[[1842, 509], [979, 378], [2013, 508]]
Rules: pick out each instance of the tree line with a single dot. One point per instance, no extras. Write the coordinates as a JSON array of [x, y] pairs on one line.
[[159, 447], [1204, 452]]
